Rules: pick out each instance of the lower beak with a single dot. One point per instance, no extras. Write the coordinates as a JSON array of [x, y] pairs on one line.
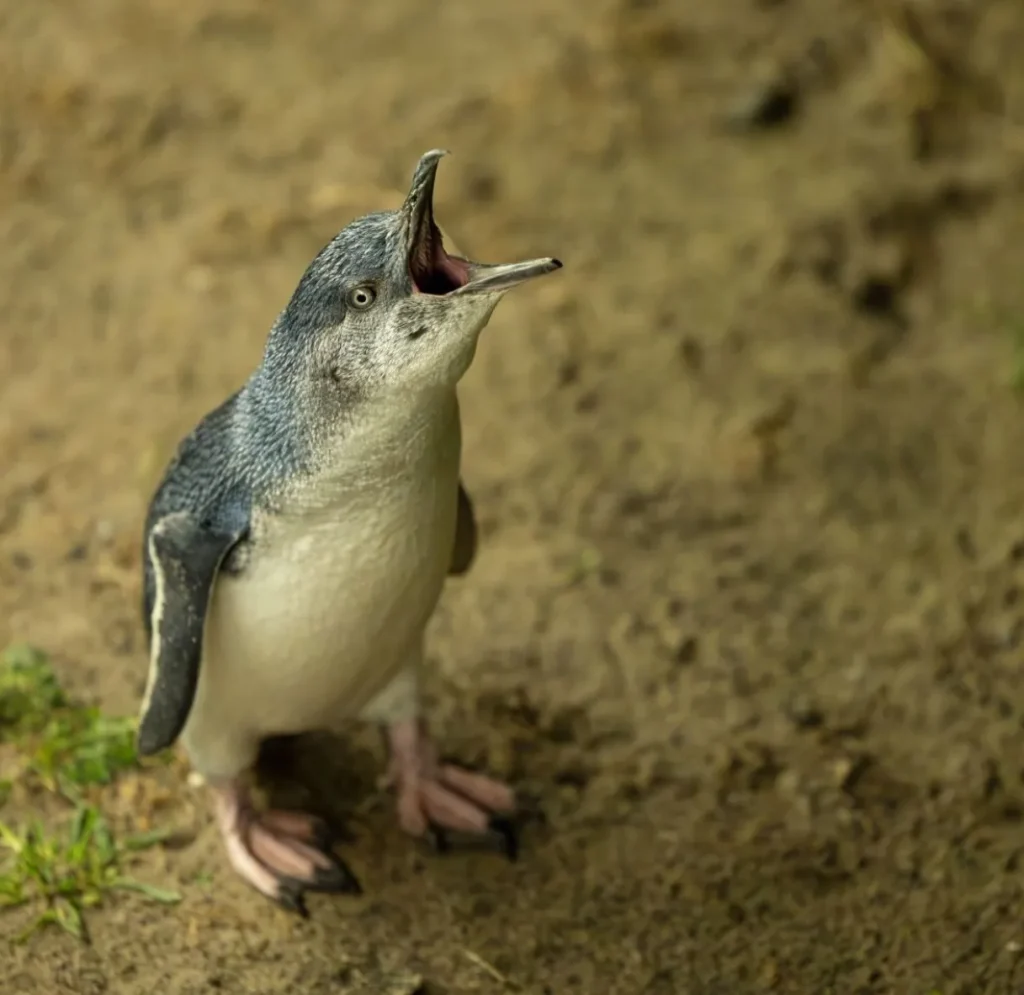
[[485, 279]]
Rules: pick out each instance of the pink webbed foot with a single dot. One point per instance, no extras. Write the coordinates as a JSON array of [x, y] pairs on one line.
[[436, 798], [281, 854]]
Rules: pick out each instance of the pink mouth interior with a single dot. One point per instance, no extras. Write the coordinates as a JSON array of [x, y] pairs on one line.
[[432, 270]]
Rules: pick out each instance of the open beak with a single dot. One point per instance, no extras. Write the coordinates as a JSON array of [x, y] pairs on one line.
[[432, 270]]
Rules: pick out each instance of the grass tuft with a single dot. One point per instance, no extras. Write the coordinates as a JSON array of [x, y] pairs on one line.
[[68, 872], [29, 691], [65, 748]]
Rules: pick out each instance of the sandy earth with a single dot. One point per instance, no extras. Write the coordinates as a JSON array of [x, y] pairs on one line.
[[749, 614]]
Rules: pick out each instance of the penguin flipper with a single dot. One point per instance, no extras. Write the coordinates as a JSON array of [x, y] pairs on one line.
[[185, 554]]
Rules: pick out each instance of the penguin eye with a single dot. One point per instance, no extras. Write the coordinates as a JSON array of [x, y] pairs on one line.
[[361, 298]]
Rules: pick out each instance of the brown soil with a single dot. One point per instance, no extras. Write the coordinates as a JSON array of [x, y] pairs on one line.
[[749, 614]]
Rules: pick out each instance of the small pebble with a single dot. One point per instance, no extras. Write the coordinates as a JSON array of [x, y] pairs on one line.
[[766, 105], [804, 713], [104, 531], [686, 652]]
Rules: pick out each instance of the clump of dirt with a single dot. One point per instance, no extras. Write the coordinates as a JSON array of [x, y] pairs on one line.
[[747, 622]]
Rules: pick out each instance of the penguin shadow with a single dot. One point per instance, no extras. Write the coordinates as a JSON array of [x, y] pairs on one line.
[[321, 773], [340, 780]]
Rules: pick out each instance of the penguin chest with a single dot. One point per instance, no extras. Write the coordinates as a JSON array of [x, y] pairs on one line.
[[328, 611]]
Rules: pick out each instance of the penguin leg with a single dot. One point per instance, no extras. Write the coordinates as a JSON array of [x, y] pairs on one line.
[[281, 854], [434, 798]]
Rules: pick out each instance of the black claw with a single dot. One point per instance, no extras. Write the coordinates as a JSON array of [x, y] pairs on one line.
[[438, 838], [506, 829], [290, 898], [336, 879]]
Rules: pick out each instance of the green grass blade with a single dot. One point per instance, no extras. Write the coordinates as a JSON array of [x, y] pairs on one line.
[[162, 895], [143, 841]]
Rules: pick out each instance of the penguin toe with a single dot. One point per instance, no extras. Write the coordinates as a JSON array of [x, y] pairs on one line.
[[285, 855]]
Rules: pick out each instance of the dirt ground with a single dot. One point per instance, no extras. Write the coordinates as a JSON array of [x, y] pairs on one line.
[[749, 613]]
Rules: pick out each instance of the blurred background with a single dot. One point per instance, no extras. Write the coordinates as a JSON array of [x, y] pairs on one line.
[[747, 619]]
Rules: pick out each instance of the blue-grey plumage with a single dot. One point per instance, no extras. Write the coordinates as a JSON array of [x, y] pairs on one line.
[[299, 540]]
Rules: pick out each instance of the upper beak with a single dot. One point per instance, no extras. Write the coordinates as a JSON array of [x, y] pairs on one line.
[[433, 270], [418, 209]]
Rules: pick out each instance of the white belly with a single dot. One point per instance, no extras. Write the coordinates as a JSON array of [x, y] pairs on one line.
[[314, 631], [330, 608]]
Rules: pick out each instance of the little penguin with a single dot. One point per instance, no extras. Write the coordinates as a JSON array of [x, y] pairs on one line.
[[299, 540]]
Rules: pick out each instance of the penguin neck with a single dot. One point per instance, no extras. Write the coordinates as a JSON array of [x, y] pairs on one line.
[[392, 429], [394, 439]]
